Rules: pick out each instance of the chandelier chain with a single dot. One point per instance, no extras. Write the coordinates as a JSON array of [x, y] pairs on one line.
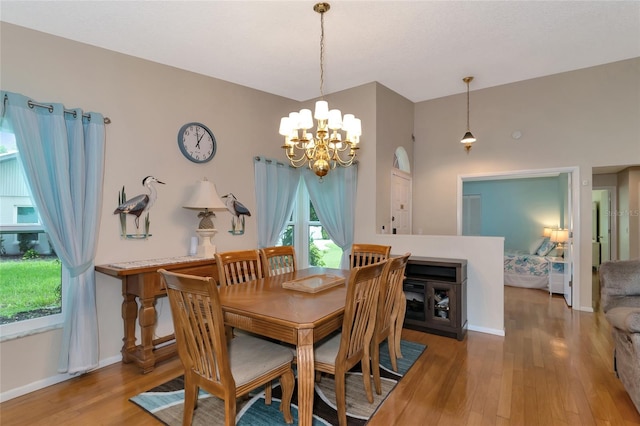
[[322, 55]]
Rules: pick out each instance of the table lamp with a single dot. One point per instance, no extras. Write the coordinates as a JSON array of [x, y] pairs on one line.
[[560, 236], [205, 198]]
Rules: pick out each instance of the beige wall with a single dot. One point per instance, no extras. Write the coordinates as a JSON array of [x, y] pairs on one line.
[[148, 103], [580, 119], [394, 128]]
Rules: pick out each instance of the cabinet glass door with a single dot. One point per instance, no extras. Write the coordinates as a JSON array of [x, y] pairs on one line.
[[414, 292], [442, 303]]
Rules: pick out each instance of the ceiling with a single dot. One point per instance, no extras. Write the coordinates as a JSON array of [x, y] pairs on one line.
[[419, 49]]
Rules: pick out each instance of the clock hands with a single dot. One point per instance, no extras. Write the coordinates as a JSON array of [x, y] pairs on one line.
[[199, 138]]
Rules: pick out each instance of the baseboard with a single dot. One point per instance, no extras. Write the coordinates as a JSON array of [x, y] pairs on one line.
[[486, 330], [58, 378]]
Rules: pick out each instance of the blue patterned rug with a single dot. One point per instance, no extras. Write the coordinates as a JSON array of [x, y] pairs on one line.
[[165, 402]]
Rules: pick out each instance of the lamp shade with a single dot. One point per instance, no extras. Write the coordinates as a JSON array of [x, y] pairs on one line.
[[468, 138], [559, 235], [546, 231], [205, 196]]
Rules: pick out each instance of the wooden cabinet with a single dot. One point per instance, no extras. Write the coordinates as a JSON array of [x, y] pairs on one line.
[[141, 286], [436, 293]]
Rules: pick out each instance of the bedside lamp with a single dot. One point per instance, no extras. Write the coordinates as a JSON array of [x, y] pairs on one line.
[[205, 198], [546, 231], [560, 236]]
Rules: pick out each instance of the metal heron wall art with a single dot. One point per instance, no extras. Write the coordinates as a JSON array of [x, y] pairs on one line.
[[137, 206], [238, 210]]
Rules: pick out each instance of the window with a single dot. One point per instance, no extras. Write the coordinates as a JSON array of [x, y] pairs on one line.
[[30, 271], [313, 245]]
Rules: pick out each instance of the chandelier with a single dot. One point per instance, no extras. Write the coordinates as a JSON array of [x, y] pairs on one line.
[[327, 148]]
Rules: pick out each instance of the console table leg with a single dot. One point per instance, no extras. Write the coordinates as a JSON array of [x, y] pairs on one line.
[[147, 318], [129, 316]]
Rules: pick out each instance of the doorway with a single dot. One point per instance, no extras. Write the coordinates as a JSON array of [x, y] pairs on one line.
[[570, 217], [603, 239]]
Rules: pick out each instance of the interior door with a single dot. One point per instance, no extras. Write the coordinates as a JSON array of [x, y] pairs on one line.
[[568, 252], [400, 202], [604, 226]]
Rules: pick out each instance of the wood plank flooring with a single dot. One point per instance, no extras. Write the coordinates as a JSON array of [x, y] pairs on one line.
[[553, 367]]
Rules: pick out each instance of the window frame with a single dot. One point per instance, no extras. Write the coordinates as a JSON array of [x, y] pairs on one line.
[[26, 327]]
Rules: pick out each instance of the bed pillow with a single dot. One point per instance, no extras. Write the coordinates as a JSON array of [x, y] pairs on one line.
[[545, 248], [533, 248]]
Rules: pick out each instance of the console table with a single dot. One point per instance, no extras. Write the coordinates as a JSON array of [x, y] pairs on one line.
[[141, 285]]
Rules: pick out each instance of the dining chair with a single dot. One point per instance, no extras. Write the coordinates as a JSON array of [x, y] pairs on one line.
[[278, 260], [225, 368], [341, 352], [366, 254], [390, 314], [235, 267]]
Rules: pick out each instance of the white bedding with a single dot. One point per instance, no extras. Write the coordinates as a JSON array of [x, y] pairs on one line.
[[526, 270]]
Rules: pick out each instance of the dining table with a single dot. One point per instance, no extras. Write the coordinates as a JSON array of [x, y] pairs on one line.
[[300, 318]]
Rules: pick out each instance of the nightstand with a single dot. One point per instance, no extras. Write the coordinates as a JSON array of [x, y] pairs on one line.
[[557, 276]]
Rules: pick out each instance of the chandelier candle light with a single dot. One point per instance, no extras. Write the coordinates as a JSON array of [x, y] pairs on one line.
[[327, 149]]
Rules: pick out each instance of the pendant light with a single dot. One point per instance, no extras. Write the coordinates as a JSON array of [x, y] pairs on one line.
[[468, 137]]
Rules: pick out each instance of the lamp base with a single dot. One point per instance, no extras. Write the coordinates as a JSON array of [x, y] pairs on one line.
[[205, 248]]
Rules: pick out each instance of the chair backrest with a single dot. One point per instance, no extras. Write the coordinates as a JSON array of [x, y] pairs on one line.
[[199, 327], [358, 324], [366, 254], [278, 260], [235, 267], [391, 295]]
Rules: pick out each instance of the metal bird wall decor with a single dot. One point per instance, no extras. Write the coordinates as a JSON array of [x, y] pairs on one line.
[[238, 211], [137, 206]]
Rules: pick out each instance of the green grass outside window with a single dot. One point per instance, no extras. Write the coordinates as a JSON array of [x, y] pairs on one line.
[[29, 285]]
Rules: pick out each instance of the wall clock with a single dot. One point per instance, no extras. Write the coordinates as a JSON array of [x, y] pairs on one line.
[[197, 142]]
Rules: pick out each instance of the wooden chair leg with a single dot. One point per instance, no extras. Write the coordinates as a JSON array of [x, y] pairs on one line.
[[391, 342], [366, 375], [230, 411], [341, 398], [287, 382], [190, 401], [375, 366], [398, 324], [267, 393]]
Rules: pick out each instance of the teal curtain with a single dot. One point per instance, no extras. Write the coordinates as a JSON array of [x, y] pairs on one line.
[[62, 155], [276, 187], [334, 198]]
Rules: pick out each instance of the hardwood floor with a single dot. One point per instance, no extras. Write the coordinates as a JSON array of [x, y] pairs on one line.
[[554, 366]]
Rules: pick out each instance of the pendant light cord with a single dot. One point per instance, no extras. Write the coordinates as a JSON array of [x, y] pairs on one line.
[[468, 128]]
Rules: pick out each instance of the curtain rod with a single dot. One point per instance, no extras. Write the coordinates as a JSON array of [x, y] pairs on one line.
[[31, 104]]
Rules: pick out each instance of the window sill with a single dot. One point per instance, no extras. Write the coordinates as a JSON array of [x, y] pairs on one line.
[[30, 327]]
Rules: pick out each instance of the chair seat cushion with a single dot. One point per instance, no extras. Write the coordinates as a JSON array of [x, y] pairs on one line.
[[251, 357], [326, 351], [625, 319]]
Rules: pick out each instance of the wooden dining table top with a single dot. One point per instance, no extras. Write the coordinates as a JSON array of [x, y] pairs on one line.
[[265, 298]]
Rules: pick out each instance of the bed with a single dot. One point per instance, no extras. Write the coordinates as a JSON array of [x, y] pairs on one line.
[[528, 268], [522, 269]]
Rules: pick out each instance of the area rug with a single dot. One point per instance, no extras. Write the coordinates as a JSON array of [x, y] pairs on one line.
[[165, 402]]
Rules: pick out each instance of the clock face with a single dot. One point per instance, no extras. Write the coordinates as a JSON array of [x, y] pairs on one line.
[[197, 142]]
